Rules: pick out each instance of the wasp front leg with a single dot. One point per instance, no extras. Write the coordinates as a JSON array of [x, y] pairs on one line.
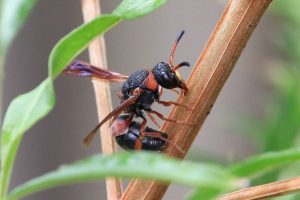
[[168, 103]]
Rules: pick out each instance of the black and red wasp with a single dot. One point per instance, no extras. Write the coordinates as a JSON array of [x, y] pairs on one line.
[[138, 93]]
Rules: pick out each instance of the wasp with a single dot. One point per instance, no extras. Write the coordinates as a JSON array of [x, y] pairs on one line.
[[138, 92]]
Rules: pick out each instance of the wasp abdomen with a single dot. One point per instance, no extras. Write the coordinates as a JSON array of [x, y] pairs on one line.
[[127, 141]]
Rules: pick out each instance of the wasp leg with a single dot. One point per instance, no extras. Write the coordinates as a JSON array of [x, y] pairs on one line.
[[138, 142], [142, 128], [174, 90], [138, 145], [162, 117], [160, 91], [169, 103], [120, 95], [153, 120], [117, 111]]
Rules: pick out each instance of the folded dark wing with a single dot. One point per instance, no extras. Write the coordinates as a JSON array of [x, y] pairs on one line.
[[83, 69], [117, 111]]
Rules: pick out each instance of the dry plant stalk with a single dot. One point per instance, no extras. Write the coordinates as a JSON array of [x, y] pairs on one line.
[[265, 191], [91, 9], [205, 83]]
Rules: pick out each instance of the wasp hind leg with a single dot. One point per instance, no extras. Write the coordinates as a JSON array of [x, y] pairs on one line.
[[162, 117], [138, 141]]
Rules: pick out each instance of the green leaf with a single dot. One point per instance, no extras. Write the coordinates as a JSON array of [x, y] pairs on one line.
[[22, 113], [130, 9], [263, 163], [76, 41], [205, 193], [142, 165], [12, 15], [290, 172]]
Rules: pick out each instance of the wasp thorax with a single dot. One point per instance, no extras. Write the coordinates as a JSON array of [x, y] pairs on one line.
[[166, 77]]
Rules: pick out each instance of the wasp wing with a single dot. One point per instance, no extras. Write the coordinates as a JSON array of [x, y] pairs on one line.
[[117, 111], [83, 69]]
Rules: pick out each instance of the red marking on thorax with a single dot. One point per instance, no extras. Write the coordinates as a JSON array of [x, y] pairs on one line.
[[150, 82]]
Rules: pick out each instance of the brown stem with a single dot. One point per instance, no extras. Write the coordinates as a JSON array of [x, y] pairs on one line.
[[205, 83], [265, 191], [91, 9]]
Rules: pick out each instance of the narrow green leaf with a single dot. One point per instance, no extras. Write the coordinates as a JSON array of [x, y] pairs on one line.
[[76, 41], [263, 163], [141, 165], [22, 113], [130, 9], [12, 15]]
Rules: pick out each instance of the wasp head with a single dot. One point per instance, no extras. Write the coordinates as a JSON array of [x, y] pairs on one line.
[[168, 76]]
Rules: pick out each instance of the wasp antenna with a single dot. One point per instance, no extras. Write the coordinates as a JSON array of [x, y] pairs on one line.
[[174, 47], [181, 65]]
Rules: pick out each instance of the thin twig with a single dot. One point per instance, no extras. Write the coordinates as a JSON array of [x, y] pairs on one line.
[[205, 83], [91, 9], [265, 191]]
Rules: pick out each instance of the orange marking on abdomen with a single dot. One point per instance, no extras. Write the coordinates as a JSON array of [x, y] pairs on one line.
[[120, 127]]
